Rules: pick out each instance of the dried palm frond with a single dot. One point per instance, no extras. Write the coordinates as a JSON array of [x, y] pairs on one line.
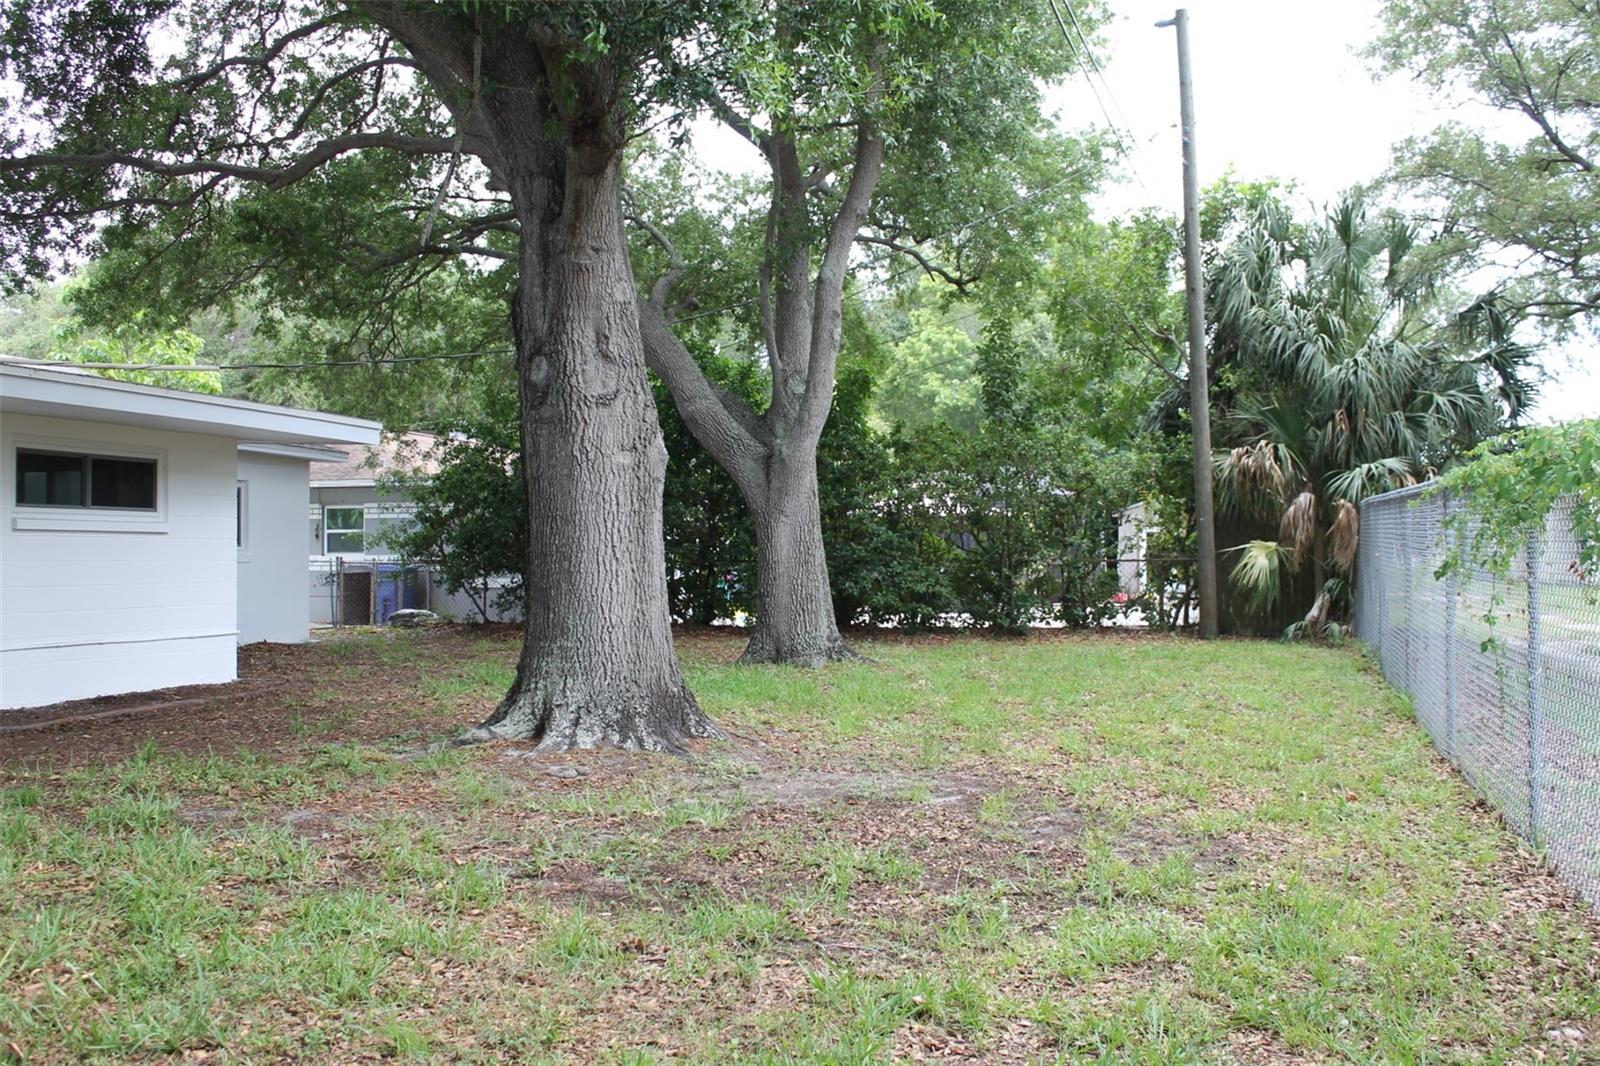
[[1345, 535], [1259, 471], [1298, 527]]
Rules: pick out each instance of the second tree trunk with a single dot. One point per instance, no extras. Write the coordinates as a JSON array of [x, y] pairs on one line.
[[795, 623]]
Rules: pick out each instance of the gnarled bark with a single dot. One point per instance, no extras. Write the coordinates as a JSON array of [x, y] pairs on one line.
[[597, 667], [794, 623]]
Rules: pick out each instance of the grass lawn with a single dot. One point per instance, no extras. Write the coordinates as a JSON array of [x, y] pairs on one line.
[[1066, 849]]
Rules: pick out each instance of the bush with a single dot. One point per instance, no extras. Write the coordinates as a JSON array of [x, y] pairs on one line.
[[471, 521], [710, 540], [1031, 516], [1012, 525], [1510, 485]]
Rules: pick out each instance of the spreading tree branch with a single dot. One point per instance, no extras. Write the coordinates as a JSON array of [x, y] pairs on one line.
[[960, 281], [720, 421], [828, 304], [271, 177]]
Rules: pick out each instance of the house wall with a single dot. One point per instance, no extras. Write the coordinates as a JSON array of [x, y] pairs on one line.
[[95, 602], [272, 558], [459, 607], [381, 511], [1133, 538]]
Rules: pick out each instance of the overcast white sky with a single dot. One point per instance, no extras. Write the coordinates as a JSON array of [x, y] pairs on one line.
[[1279, 93]]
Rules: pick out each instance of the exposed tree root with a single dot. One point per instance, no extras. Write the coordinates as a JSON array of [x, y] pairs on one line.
[[557, 720], [763, 649]]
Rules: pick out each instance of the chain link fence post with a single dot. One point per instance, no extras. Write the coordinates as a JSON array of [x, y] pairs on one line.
[[1513, 701], [1408, 607], [1452, 594], [1535, 688]]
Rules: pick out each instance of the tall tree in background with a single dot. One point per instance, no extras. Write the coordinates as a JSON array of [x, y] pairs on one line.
[[886, 128], [1537, 62], [268, 150]]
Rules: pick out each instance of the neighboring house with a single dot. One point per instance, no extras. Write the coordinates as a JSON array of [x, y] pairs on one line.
[[1133, 544], [356, 576], [142, 531]]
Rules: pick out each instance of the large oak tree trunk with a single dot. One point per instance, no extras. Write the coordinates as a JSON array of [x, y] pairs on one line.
[[795, 623], [598, 667]]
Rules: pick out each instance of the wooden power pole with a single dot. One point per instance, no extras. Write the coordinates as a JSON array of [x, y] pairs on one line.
[[1205, 512]]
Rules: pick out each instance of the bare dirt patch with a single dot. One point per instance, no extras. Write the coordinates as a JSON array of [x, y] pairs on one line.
[[576, 882], [812, 787], [345, 687]]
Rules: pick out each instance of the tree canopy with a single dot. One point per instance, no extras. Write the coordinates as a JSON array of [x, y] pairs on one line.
[[1537, 196]]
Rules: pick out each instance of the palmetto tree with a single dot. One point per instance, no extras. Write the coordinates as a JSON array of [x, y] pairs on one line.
[[1344, 380]]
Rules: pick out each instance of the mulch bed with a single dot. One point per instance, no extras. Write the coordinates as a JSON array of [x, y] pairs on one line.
[[254, 712]]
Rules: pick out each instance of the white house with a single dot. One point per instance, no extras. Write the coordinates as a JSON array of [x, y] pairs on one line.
[[1133, 544], [271, 493], [145, 533]]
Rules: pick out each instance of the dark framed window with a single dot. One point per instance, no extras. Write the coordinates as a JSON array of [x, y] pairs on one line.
[[67, 479], [241, 499]]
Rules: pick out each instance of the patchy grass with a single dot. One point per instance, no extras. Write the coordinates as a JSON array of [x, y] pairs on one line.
[[1057, 850]]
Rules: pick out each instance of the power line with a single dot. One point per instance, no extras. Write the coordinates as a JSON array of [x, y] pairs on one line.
[[1088, 78], [1090, 72]]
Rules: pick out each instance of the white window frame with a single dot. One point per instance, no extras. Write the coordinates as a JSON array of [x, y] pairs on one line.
[[35, 517], [328, 529]]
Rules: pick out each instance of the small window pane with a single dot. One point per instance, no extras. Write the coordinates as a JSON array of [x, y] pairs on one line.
[[129, 483], [50, 480], [344, 543], [346, 518]]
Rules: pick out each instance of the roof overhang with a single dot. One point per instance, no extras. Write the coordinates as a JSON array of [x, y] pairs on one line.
[[346, 483], [308, 452], [31, 390]]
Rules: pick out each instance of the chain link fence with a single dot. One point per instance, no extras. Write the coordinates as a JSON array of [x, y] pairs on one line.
[[1503, 670]]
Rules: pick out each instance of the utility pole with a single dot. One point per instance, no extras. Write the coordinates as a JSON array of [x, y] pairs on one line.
[[1205, 512]]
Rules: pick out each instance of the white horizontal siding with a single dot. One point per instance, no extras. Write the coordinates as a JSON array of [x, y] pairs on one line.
[[273, 560], [88, 612], [34, 677]]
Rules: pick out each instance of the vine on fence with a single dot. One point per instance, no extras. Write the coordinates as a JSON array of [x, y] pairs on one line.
[[1511, 483]]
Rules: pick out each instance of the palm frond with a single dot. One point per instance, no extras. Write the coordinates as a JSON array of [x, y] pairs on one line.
[[1369, 479], [1252, 479], [1259, 573], [1298, 527]]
